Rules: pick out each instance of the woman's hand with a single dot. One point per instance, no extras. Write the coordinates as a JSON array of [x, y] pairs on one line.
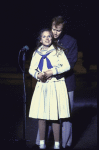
[[48, 73], [42, 77]]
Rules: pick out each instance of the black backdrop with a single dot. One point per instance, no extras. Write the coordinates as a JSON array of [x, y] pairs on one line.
[[22, 20]]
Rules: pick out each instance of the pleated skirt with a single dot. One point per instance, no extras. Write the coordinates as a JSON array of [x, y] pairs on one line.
[[50, 101]]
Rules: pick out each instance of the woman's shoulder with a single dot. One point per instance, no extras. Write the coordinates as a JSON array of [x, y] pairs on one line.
[[34, 52], [37, 50]]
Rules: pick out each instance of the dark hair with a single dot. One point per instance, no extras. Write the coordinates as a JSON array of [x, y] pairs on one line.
[[58, 20], [55, 44]]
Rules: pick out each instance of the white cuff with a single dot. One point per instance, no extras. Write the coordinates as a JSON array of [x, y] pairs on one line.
[[36, 76], [55, 71]]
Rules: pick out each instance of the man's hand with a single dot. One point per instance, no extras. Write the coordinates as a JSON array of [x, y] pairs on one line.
[[48, 73]]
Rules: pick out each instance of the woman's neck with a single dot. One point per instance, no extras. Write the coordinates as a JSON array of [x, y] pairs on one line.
[[45, 47]]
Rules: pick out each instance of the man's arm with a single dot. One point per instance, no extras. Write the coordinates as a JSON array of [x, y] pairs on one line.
[[72, 54]]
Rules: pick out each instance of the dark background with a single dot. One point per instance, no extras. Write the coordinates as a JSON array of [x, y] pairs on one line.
[[21, 22]]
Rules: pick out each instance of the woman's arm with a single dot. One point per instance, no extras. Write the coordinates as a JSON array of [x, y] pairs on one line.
[[65, 66], [33, 69], [33, 66]]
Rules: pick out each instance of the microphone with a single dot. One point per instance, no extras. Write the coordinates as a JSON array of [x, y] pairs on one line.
[[25, 48]]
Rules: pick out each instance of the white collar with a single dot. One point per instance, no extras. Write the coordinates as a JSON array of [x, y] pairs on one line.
[[50, 49]]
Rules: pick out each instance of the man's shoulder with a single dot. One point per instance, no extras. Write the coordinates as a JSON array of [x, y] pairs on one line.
[[67, 41], [68, 37]]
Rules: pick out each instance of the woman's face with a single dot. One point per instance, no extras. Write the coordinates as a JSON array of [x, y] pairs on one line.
[[46, 38]]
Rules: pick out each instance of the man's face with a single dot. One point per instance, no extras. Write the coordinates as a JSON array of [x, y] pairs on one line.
[[57, 30]]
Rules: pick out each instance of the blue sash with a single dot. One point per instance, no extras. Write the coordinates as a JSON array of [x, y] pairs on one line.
[[40, 66]]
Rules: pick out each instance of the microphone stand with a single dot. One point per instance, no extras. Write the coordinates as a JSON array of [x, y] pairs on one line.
[[24, 99], [23, 141]]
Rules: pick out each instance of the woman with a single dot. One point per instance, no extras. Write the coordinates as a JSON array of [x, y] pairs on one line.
[[50, 98]]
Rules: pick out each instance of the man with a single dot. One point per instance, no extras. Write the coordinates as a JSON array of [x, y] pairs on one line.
[[70, 44]]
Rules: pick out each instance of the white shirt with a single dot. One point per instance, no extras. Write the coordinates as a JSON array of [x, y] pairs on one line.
[[58, 60]]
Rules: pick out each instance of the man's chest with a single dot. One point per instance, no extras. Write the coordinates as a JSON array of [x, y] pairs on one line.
[[65, 44]]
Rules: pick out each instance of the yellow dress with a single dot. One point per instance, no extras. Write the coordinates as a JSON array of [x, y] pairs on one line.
[[50, 99]]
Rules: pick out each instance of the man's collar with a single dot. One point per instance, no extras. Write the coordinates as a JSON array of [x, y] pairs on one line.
[[58, 39]]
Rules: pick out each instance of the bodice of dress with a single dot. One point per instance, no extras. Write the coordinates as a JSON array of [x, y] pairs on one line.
[[59, 64], [44, 63]]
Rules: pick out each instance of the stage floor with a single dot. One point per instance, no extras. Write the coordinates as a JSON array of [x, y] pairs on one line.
[[84, 114]]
